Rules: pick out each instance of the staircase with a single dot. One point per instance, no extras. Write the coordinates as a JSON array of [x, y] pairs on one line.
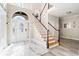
[[39, 43], [41, 29], [53, 39], [50, 39]]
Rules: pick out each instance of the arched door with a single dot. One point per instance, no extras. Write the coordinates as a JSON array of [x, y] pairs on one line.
[[20, 28]]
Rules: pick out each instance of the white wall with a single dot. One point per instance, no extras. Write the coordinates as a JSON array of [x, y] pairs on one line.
[[70, 32], [3, 29], [36, 6]]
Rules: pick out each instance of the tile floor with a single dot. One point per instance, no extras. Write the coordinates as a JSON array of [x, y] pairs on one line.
[[23, 49]]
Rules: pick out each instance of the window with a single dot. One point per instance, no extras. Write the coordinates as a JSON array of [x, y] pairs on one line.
[[21, 27]]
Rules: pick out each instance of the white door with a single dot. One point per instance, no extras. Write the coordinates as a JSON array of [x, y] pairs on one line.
[[20, 29]]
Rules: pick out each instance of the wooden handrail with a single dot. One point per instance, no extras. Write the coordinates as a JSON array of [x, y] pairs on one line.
[[52, 26]]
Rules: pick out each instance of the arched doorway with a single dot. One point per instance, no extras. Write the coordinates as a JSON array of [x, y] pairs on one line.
[[20, 27]]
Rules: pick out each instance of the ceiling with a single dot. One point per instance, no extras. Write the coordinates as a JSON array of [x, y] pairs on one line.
[[64, 9]]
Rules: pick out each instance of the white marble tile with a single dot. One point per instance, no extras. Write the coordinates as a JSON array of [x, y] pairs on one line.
[[24, 49], [19, 49]]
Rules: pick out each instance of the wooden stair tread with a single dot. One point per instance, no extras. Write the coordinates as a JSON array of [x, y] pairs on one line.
[[50, 40], [53, 43]]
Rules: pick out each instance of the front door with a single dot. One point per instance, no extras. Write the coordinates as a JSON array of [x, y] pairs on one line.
[[20, 29]]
